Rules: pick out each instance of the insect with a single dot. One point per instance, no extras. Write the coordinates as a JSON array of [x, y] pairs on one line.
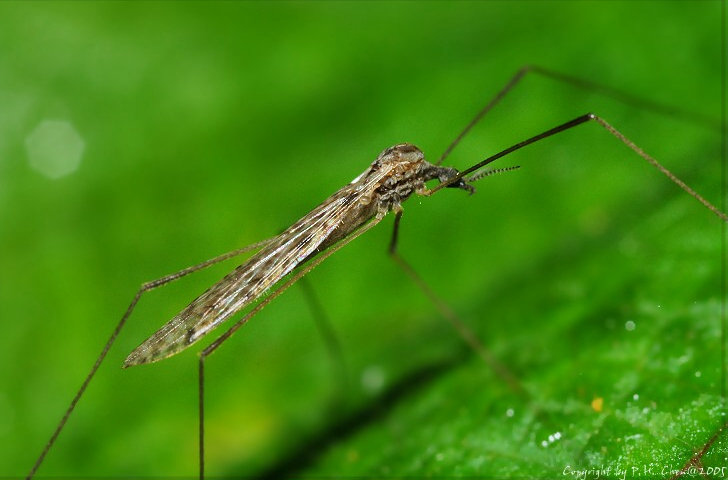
[[398, 173]]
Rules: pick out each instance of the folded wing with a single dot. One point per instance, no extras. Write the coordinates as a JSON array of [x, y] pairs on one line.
[[250, 280]]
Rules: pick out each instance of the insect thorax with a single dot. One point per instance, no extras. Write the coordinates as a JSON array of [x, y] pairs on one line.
[[408, 173]]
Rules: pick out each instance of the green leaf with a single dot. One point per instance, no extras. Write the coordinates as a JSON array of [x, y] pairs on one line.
[[595, 283]]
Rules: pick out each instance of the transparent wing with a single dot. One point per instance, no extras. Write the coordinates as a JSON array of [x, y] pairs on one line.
[[250, 280]]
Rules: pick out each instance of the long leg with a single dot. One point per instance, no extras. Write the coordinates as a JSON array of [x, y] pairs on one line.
[[470, 338], [593, 86], [605, 90], [328, 335], [609, 128], [143, 289], [628, 99], [222, 338]]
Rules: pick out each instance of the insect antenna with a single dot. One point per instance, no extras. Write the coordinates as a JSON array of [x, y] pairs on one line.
[[490, 172]]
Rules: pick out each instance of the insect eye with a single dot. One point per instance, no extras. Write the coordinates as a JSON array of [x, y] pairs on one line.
[[463, 185]]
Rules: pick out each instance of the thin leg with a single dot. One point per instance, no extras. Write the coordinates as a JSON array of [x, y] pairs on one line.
[[272, 296], [449, 314], [331, 341], [143, 289], [201, 415], [493, 102], [609, 128], [652, 161], [588, 85], [628, 99]]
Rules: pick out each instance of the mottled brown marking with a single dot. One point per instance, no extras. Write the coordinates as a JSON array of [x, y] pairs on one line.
[[397, 172]]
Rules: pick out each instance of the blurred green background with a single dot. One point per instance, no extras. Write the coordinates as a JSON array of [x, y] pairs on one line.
[[203, 127]]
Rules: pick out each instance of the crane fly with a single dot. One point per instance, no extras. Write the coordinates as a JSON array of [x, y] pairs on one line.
[[397, 173]]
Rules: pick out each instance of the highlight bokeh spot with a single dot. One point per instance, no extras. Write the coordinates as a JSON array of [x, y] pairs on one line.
[[54, 148]]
